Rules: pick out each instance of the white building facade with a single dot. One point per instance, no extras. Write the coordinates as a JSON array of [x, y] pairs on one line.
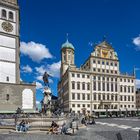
[[97, 86], [13, 92]]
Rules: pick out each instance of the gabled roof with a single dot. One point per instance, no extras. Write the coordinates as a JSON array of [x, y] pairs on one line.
[[105, 44]]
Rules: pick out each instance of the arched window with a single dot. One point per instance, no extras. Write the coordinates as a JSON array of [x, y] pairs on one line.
[[11, 16], [4, 14]]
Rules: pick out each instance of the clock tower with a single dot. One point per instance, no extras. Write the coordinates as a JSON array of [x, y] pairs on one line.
[[13, 92], [9, 42]]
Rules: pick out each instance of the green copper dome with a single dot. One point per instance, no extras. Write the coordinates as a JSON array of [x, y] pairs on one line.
[[67, 44]]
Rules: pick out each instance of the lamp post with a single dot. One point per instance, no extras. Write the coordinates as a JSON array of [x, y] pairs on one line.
[[107, 111], [119, 112]]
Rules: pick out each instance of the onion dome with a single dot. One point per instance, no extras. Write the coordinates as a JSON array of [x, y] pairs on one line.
[[67, 44]]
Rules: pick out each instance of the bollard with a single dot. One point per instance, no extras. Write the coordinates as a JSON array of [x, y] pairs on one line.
[[73, 130], [119, 137], [73, 126], [139, 135]]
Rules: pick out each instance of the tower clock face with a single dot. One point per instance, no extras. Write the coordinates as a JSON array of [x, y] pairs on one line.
[[8, 27]]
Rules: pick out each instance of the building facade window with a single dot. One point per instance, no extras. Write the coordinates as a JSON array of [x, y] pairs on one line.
[[73, 96], [95, 107], [99, 86], [121, 98], [78, 105], [124, 98], [99, 97], [124, 88], [73, 75], [112, 87], [132, 98], [128, 89], [83, 105], [121, 89], [83, 86], [94, 96], [78, 96], [88, 96], [107, 86], [132, 89], [94, 85], [116, 87], [103, 84], [107, 96], [73, 105], [7, 97], [73, 85], [83, 96], [11, 16], [112, 97], [128, 98], [116, 98], [88, 86], [103, 96], [83, 76], [78, 85], [4, 13], [78, 75], [7, 78]]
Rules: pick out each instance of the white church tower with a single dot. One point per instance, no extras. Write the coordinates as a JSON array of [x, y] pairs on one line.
[[13, 93], [9, 42]]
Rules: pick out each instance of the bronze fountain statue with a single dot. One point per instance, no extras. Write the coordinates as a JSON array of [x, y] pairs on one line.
[[46, 104]]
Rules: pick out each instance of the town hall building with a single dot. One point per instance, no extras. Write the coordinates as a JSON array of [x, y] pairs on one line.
[[98, 85]]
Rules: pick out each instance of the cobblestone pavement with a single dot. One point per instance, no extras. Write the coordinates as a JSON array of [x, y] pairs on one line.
[[105, 129]]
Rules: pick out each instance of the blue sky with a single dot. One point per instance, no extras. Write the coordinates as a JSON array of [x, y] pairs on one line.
[[44, 24]]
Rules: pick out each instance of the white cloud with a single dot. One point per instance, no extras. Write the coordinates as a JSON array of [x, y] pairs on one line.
[[35, 51], [39, 85], [26, 69], [39, 78], [52, 69], [50, 81], [40, 70], [137, 83], [37, 102], [136, 42]]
